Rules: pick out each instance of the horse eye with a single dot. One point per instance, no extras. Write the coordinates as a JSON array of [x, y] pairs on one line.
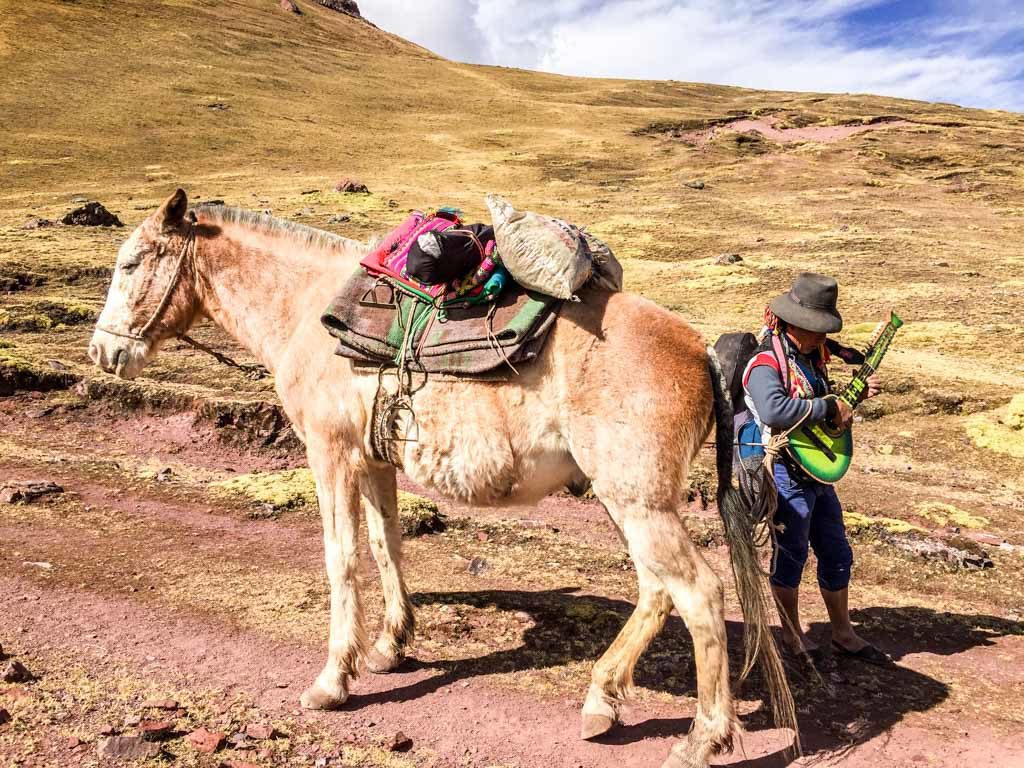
[[129, 267]]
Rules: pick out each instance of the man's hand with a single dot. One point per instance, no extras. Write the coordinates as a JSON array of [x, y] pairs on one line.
[[874, 386], [844, 414]]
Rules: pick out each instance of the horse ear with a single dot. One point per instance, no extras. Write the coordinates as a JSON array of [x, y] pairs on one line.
[[172, 212]]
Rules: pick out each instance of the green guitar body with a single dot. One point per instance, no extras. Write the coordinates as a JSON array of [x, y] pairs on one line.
[[823, 451]]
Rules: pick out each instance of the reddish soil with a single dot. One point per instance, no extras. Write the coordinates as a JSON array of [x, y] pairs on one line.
[[105, 604], [823, 134]]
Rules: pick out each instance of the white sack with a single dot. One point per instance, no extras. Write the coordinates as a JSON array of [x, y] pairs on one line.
[[543, 254]]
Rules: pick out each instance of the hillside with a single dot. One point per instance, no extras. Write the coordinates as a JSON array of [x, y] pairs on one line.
[[911, 205]]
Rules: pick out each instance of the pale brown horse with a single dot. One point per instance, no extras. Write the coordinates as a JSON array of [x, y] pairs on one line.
[[623, 396]]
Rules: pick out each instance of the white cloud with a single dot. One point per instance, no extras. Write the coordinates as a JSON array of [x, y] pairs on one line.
[[799, 45]]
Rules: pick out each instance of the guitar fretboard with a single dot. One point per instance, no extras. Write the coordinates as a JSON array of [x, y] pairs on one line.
[[858, 387]]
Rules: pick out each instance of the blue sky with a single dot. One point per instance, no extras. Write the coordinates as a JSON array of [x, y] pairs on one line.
[[968, 52]]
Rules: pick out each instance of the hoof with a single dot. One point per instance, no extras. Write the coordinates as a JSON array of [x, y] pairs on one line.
[[316, 697], [595, 725], [380, 664]]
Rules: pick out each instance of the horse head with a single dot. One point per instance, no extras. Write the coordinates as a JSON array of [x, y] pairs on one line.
[[152, 295]]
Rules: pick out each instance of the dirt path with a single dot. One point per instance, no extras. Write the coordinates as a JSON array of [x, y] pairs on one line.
[[124, 588]]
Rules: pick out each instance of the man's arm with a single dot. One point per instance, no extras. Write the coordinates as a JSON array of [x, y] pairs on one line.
[[775, 407]]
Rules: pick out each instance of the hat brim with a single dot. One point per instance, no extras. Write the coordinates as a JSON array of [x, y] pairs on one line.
[[817, 320]]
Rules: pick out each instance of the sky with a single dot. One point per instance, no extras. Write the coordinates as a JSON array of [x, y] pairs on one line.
[[966, 52]]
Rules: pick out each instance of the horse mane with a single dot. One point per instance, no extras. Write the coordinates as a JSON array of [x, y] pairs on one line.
[[264, 223]]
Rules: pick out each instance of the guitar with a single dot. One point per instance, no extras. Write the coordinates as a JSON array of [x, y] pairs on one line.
[[823, 450]]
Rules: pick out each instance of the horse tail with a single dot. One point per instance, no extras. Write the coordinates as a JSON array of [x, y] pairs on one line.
[[740, 516]]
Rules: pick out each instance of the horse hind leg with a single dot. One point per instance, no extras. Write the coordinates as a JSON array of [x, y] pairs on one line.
[[612, 678], [658, 542], [385, 534]]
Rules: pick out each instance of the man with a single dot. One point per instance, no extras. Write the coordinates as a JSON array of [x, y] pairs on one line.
[[777, 392]]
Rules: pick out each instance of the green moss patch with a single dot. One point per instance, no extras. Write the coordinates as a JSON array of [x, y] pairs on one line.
[[860, 523], [947, 514], [44, 315], [1001, 430], [18, 372], [296, 488]]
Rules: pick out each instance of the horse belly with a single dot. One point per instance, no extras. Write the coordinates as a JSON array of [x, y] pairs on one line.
[[486, 452]]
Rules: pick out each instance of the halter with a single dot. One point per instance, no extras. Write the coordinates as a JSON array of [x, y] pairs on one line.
[[190, 243]]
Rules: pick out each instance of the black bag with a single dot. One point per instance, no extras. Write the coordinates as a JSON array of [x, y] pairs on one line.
[[734, 351], [441, 257]]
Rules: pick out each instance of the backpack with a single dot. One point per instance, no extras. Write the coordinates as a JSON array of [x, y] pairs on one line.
[[735, 351]]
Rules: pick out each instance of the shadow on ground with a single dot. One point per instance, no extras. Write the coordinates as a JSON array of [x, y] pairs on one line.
[[837, 712]]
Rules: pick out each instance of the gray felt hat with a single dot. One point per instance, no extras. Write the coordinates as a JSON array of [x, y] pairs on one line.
[[810, 304]]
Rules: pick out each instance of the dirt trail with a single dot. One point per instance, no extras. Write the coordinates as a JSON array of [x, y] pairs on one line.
[[157, 589]]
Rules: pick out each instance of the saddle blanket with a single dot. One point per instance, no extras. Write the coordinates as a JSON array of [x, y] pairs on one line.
[[373, 323]]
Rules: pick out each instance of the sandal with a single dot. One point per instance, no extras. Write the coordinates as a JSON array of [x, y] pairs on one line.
[[868, 654]]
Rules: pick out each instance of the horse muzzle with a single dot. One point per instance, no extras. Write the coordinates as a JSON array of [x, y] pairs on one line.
[[125, 358]]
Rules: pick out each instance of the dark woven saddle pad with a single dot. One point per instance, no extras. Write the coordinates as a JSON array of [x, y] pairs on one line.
[[371, 323]]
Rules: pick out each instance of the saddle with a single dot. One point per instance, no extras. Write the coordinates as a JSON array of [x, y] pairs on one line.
[[378, 323]]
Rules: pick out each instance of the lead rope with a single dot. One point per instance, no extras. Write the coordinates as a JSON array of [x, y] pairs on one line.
[[252, 371]]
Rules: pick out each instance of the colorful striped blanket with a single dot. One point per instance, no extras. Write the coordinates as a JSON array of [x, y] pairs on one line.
[[374, 325]]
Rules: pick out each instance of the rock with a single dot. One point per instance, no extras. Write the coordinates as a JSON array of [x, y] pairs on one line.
[[291, 7], [239, 740], [106, 730], [351, 186], [73, 742], [206, 741], [399, 742], [5, 716], [309, 191], [41, 564], [164, 475], [260, 731], [15, 672], [218, 106], [57, 365], [159, 704], [131, 721], [126, 747], [339, 218], [392, 203], [695, 184], [37, 224], [342, 6], [91, 215], [477, 566], [155, 730], [729, 258], [482, 536], [958, 552], [13, 493], [212, 203], [238, 764]]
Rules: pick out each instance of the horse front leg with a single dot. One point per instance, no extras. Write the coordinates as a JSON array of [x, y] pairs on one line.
[[385, 533], [337, 488]]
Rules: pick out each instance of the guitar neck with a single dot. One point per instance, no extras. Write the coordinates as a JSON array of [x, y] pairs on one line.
[[858, 387]]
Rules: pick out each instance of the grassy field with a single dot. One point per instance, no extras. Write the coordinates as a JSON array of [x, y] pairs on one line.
[[241, 101]]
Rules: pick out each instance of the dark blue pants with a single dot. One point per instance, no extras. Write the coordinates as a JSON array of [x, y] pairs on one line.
[[809, 513]]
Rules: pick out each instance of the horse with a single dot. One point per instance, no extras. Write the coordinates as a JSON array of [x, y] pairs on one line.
[[622, 396]]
